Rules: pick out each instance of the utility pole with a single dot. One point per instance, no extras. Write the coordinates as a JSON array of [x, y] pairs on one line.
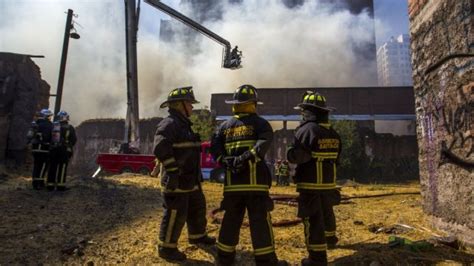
[[132, 120], [62, 68]]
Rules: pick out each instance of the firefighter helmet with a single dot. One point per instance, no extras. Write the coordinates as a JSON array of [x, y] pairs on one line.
[[180, 94], [244, 94], [45, 113], [63, 116], [313, 99]]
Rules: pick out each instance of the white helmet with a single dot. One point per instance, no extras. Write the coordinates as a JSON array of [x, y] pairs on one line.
[[63, 116], [45, 113]]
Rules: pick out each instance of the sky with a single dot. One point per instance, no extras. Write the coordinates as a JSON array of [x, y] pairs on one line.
[[279, 45]]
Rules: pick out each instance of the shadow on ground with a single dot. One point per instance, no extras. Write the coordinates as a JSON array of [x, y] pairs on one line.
[[382, 254], [41, 226]]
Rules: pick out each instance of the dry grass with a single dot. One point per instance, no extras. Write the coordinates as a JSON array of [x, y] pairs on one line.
[[116, 219]]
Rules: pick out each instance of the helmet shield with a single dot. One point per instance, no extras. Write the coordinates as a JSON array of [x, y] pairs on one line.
[[244, 94], [180, 94]]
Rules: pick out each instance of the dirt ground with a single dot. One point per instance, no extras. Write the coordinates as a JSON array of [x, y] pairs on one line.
[[115, 220]]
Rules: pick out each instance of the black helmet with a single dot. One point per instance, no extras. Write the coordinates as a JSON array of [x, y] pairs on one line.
[[180, 94], [244, 94], [314, 100]]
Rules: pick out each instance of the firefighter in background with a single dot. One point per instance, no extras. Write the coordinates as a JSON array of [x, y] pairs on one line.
[[315, 150], [240, 145], [178, 149], [284, 173], [63, 140], [39, 136], [277, 171]]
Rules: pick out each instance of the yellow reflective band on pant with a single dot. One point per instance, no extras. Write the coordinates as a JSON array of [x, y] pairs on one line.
[[329, 233], [43, 171], [317, 247], [63, 175], [197, 236], [178, 190], [172, 169], [263, 251], [169, 161], [306, 231], [270, 229], [187, 144], [240, 144], [225, 248], [314, 186], [170, 227], [168, 245], [235, 188]]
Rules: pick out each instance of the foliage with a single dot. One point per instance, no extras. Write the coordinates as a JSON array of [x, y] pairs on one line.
[[353, 161], [203, 123]]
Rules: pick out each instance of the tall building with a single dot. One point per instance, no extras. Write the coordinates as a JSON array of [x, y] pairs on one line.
[[394, 62]]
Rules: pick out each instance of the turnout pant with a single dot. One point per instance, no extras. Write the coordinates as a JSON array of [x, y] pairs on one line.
[[258, 208], [181, 208], [59, 160], [40, 168], [316, 210]]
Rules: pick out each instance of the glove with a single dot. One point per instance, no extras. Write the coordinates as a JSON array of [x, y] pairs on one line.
[[241, 159], [172, 182]]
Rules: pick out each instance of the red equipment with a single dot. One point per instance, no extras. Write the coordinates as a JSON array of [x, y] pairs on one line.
[[144, 163]]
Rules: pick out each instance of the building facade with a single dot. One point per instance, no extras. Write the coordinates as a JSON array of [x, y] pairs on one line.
[[394, 62]]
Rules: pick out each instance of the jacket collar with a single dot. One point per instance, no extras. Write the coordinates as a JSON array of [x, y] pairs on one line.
[[180, 116]]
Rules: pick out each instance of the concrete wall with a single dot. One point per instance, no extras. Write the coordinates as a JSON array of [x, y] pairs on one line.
[[385, 157], [443, 64], [22, 93]]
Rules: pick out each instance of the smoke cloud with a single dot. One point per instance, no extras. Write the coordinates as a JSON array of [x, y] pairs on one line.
[[308, 46]]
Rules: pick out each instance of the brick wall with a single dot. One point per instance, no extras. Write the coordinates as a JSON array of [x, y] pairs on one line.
[[443, 74], [22, 92]]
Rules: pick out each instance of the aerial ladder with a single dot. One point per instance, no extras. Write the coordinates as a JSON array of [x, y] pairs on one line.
[[231, 58], [129, 158]]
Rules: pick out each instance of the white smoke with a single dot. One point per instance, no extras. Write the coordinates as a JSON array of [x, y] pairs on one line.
[[302, 47]]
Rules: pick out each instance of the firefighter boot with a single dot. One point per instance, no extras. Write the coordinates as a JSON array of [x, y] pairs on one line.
[[332, 241], [171, 254], [225, 258], [205, 240], [315, 259]]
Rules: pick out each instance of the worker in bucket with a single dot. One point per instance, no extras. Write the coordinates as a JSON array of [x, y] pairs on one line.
[[39, 136], [315, 150], [240, 145], [63, 139], [178, 149]]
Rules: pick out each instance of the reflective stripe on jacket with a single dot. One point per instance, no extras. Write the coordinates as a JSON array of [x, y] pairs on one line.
[[240, 134], [319, 145], [178, 148]]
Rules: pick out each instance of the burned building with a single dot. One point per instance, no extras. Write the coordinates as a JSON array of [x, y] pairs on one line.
[[387, 157], [22, 93], [442, 48]]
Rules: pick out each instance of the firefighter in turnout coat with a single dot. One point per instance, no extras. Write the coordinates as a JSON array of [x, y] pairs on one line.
[[63, 140], [39, 136], [240, 145], [178, 149], [315, 150]]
